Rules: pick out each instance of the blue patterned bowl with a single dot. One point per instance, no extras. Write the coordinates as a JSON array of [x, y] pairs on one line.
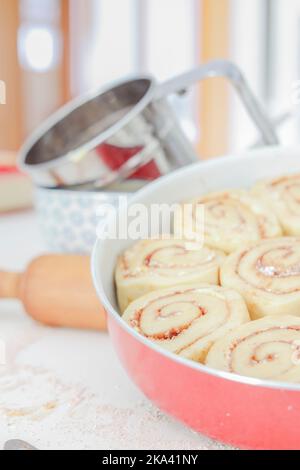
[[69, 218]]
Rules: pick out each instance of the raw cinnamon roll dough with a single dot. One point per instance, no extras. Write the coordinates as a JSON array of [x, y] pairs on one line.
[[283, 196], [267, 275], [155, 264], [231, 220], [187, 319], [268, 348]]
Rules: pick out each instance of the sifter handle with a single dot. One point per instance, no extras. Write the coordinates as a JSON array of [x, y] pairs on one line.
[[224, 68]]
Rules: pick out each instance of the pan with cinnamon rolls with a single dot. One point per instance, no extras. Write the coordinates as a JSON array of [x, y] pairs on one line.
[[236, 381]]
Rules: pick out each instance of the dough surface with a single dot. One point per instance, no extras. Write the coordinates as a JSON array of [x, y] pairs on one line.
[[186, 320], [155, 264], [231, 220], [267, 275], [268, 348], [283, 196]]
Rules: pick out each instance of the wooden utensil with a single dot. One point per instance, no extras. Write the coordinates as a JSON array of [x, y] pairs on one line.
[[56, 290]]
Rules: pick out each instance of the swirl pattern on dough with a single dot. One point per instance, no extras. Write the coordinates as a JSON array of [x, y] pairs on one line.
[[268, 348], [231, 219], [267, 275], [187, 319], [283, 196], [156, 264]]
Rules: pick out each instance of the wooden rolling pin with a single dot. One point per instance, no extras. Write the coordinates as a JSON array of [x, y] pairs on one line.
[[56, 290]]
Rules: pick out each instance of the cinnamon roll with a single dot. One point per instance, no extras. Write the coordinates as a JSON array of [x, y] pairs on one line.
[[155, 264], [268, 348], [231, 219], [187, 320], [267, 275], [283, 196]]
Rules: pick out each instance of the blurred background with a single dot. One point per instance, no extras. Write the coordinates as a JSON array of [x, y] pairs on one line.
[[54, 50]]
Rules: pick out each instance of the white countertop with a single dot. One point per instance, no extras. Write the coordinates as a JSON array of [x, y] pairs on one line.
[[65, 389]]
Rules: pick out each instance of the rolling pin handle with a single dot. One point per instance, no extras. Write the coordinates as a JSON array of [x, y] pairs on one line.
[[9, 285]]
